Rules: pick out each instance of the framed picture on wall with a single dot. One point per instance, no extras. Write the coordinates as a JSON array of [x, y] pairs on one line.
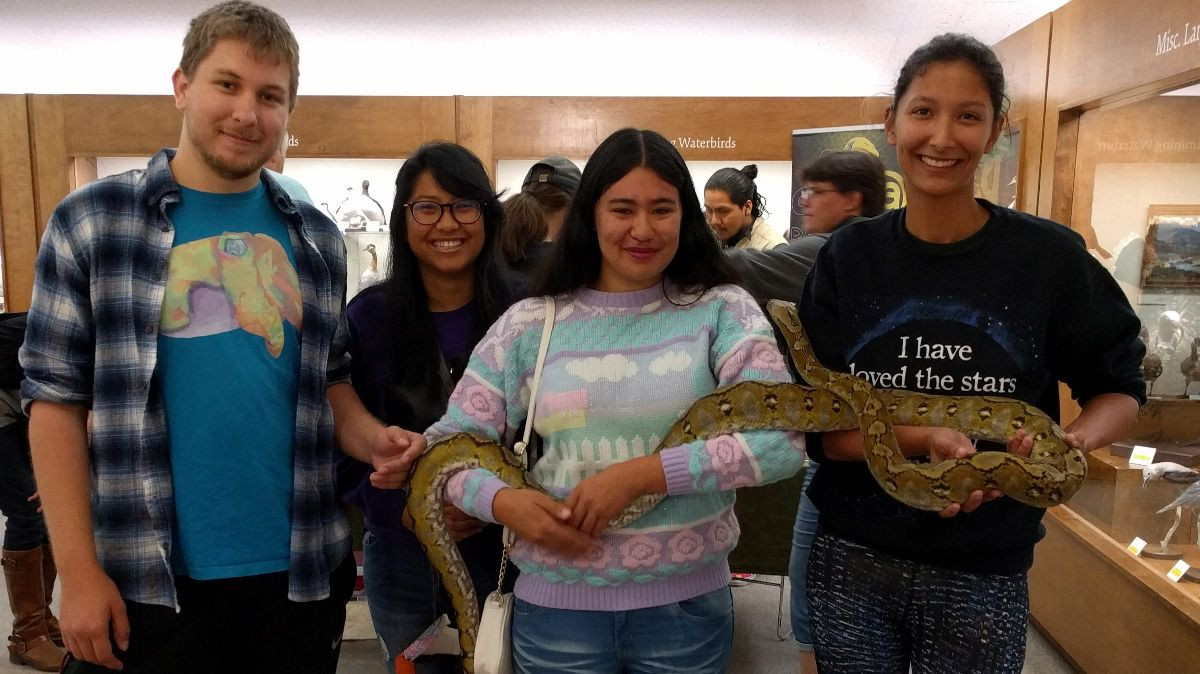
[[1171, 258]]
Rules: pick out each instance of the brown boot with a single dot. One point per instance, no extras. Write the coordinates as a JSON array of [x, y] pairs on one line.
[[49, 574], [29, 644]]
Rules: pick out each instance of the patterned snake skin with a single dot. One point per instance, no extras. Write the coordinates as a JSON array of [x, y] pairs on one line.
[[836, 401]]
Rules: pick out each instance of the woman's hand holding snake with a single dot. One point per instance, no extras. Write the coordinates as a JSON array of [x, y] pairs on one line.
[[596, 500], [535, 517]]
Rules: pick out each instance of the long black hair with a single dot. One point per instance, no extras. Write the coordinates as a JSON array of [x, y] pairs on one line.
[[414, 343], [698, 264]]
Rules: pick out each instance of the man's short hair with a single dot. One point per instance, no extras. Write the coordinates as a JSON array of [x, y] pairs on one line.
[[265, 31], [851, 171]]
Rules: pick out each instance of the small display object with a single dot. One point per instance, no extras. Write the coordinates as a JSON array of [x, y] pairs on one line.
[[360, 212], [1171, 258], [1190, 367], [1172, 338], [1190, 498], [367, 259]]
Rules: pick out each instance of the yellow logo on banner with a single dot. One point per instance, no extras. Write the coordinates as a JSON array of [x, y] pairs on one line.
[[896, 196]]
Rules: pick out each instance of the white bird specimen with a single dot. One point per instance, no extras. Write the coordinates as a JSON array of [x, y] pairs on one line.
[[1169, 471], [370, 275]]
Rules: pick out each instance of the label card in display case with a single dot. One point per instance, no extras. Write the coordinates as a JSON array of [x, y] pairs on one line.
[[1135, 548], [1141, 456], [1176, 573]]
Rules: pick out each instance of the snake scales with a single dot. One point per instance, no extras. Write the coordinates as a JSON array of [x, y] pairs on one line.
[[836, 401]]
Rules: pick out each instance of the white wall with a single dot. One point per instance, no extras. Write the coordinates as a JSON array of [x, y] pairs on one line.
[[512, 47]]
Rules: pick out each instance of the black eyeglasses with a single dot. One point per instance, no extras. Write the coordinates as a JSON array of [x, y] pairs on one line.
[[808, 192], [464, 211]]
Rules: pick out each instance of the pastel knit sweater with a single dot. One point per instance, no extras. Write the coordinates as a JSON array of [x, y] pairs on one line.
[[620, 369]]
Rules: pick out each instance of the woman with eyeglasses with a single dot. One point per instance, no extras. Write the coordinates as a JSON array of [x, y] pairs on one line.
[[410, 337], [735, 209], [646, 322]]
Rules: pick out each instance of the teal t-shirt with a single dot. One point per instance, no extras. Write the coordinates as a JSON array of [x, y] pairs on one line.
[[228, 362]]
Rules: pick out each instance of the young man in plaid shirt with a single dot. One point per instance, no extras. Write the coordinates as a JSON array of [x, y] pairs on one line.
[[197, 311]]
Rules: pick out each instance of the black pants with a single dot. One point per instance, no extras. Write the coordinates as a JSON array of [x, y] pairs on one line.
[[24, 527], [878, 614], [236, 625]]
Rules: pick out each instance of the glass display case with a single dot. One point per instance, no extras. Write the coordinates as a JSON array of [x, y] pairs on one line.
[[1119, 570]]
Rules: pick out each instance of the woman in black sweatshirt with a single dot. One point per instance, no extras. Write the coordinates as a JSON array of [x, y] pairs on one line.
[[956, 296]]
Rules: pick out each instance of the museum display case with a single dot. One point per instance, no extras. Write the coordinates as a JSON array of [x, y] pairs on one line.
[[1119, 164]]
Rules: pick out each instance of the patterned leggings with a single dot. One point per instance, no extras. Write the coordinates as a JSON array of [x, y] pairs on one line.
[[872, 612]]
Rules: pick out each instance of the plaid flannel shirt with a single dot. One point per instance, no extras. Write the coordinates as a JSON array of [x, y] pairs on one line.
[[92, 341]]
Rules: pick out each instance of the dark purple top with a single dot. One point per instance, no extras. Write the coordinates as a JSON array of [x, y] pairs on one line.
[[413, 407]]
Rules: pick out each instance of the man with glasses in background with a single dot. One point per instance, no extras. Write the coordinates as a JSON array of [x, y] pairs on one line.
[[197, 311]]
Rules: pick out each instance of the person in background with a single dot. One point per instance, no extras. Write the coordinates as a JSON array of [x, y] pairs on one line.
[[534, 216], [28, 561], [735, 210], [410, 337], [646, 322], [274, 168], [197, 311], [1023, 305], [840, 189]]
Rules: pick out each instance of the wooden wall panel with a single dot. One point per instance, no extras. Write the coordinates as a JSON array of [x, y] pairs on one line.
[[18, 212], [325, 126], [473, 121], [51, 163], [65, 128], [369, 126], [1025, 56], [1109, 49], [1104, 51], [116, 126], [724, 128]]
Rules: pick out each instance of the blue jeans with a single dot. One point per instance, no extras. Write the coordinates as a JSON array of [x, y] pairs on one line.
[[25, 529], [405, 595], [802, 538], [693, 636]]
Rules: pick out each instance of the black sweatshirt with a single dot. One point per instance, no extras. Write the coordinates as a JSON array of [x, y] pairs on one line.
[[1009, 311]]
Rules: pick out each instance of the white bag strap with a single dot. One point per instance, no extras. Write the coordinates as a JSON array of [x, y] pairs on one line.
[[520, 447]]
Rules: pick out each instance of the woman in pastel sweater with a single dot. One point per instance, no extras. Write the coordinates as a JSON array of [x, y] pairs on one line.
[[646, 322]]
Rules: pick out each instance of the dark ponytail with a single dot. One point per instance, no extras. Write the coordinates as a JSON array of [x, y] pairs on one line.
[[739, 185]]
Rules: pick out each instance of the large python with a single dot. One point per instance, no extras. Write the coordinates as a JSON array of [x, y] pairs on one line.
[[836, 401]]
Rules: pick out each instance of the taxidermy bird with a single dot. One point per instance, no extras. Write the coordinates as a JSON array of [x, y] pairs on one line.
[[370, 275], [1152, 369], [1190, 498], [1190, 367], [1170, 331], [1169, 471]]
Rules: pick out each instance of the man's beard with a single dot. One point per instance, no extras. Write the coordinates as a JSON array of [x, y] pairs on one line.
[[224, 169]]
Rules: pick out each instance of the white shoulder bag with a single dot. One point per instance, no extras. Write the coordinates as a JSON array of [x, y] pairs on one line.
[[493, 644]]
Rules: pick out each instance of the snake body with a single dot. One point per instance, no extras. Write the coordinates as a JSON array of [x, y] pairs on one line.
[[833, 401]]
